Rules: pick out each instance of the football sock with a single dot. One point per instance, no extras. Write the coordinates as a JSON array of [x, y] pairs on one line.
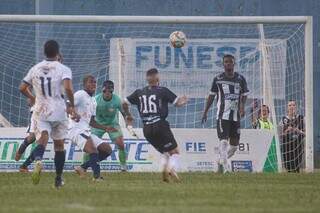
[[94, 163], [173, 162], [85, 157], [85, 165], [28, 161], [232, 150], [24, 145], [59, 159], [223, 148], [165, 160], [38, 152], [122, 156]]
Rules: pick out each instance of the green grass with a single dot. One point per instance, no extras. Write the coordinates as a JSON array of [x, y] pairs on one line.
[[144, 192]]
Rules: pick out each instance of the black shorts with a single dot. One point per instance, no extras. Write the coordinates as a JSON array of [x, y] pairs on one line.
[[160, 136], [228, 129]]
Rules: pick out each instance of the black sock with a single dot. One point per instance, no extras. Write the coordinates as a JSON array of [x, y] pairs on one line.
[[59, 159], [24, 145], [28, 161], [86, 165], [38, 152], [94, 159]]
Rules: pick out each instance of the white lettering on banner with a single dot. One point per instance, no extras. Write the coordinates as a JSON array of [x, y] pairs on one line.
[[190, 70], [198, 148]]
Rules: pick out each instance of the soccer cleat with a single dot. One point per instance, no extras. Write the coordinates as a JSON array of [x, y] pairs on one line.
[[80, 171], [96, 180], [23, 169], [174, 175], [58, 182], [36, 172], [18, 155], [123, 168]]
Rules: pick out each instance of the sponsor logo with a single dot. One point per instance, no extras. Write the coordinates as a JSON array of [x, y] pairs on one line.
[[195, 147], [202, 166], [241, 166], [243, 148], [138, 153]]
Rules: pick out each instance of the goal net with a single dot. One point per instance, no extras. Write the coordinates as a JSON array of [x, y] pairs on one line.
[[271, 56]]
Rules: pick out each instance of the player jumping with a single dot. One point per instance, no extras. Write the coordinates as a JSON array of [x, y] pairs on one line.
[[80, 132], [47, 78], [231, 90], [152, 102]]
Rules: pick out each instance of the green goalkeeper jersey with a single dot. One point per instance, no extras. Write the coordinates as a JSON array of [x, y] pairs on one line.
[[107, 111]]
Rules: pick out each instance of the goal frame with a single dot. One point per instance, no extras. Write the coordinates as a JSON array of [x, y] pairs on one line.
[[308, 43]]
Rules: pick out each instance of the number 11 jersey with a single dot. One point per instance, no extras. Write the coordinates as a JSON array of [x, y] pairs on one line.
[[46, 78]]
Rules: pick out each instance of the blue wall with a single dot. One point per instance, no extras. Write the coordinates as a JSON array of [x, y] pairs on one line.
[[187, 7]]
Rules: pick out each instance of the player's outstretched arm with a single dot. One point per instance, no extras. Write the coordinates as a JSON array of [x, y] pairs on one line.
[[208, 105], [181, 101], [94, 124], [25, 90], [129, 118], [126, 114]]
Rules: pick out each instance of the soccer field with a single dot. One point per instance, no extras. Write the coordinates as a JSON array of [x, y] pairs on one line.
[[144, 192]]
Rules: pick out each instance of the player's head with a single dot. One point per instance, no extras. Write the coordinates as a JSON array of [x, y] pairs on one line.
[[228, 62], [59, 58], [108, 87], [90, 84], [51, 49], [153, 76], [292, 107], [264, 111]]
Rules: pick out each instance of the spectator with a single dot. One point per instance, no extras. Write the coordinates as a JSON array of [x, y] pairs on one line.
[[263, 121], [292, 135]]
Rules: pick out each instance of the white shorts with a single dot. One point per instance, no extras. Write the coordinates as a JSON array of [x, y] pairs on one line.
[[80, 136], [57, 130]]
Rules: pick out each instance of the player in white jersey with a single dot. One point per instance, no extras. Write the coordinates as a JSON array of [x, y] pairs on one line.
[[31, 138], [47, 79], [80, 131]]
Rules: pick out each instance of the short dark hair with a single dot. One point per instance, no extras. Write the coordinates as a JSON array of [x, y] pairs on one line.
[[51, 49], [152, 71], [228, 56], [108, 82], [86, 79]]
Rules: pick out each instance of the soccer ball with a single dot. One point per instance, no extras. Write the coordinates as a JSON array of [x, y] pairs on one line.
[[177, 39]]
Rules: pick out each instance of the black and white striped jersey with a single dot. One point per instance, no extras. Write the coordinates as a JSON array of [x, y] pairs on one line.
[[229, 91]]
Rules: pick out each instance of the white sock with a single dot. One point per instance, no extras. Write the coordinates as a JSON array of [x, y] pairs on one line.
[[165, 161], [223, 148], [174, 162], [232, 150]]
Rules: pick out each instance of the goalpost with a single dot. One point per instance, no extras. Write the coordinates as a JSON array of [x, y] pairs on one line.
[[274, 53]]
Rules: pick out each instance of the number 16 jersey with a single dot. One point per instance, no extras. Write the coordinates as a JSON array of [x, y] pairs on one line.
[[152, 103], [46, 78]]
